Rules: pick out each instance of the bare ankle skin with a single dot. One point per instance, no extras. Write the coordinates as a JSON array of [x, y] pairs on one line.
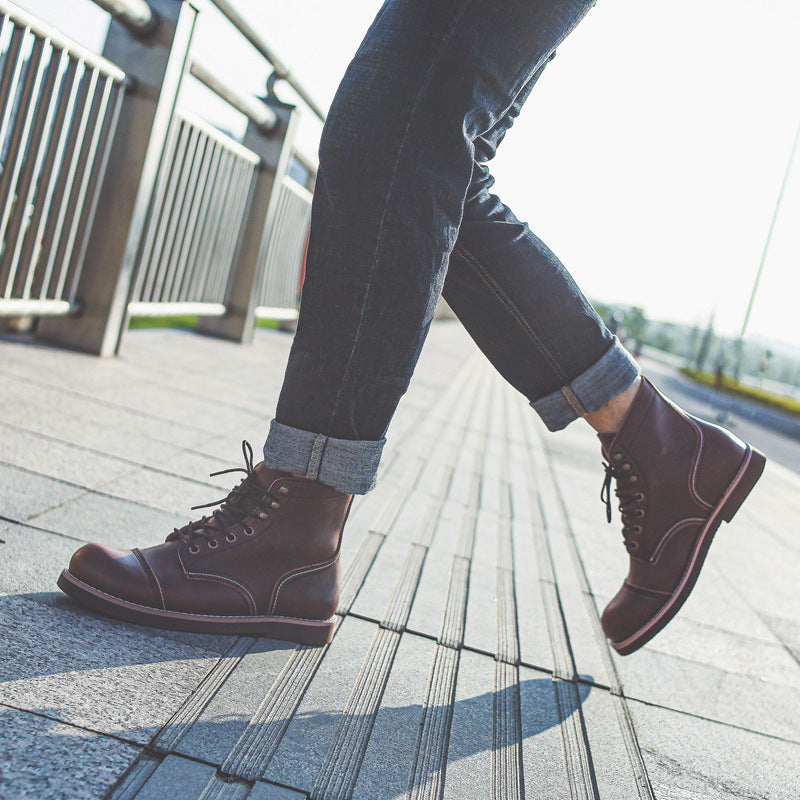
[[610, 417]]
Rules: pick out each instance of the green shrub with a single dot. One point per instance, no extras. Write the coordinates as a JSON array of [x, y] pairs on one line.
[[730, 386]]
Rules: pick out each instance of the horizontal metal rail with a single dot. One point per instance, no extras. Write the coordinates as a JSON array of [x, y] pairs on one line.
[[255, 38], [257, 112], [176, 309], [135, 15], [58, 41]]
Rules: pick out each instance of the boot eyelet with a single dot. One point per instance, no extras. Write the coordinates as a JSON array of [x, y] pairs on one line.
[[262, 515], [626, 467], [633, 545], [274, 504], [639, 513], [284, 490], [639, 497], [248, 531], [633, 479], [637, 529], [617, 456], [194, 549], [213, 544], [230, 537]]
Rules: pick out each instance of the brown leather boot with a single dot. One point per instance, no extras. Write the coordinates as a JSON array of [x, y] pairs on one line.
[[265, 562], [677, 478]]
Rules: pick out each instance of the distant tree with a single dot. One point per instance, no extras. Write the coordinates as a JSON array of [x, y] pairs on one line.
[[705, 345], [635, 323]]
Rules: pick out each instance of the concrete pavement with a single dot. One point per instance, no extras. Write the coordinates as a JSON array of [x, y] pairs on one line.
[[468, 660]]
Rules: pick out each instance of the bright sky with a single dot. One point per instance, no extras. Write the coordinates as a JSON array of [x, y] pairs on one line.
[[649, 157]]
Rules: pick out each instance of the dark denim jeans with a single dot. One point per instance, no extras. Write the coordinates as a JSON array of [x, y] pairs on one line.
[[402, 211]]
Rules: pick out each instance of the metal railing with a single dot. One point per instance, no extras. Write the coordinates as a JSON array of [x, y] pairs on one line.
[[170, 216], [279, 292], [59, 105], [201, 201]]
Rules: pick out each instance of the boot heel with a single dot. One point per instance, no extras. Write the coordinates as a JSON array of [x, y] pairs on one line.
[[747, 479]]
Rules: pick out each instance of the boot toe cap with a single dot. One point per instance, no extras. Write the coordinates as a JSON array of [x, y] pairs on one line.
[[629, 614], [115, 572]]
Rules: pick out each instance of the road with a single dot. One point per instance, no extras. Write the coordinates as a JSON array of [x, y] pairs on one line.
[[776, 435]]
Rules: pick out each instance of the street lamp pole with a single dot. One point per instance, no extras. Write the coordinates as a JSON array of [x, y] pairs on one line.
[[740, 343]]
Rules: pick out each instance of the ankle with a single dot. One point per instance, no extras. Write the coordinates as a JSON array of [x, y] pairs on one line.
[[610, 417]]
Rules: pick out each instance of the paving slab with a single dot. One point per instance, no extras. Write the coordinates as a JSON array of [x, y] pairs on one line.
[[118, 679], [43, 758], [25, 494], [101, 517], [695, 759]]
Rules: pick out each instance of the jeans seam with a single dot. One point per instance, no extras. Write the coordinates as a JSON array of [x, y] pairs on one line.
[[392, 181], [573, 401], [518, 316], [317, 449]]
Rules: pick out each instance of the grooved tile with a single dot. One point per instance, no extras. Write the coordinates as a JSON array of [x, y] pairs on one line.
[[396, 615], [308, 737], [426, 781], [507, 779], [576, 753], [190, 711], [507, 648], [542, 748], [253, 750], [357, 568], [393, 742], [481, 622], [219, 789], [174, 777], [469, 754], [452, 632], [135, 778], [339, 771], [227, 715]]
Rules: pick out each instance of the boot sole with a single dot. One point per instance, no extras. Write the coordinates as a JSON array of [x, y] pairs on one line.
[[303, 631], [741, 486]]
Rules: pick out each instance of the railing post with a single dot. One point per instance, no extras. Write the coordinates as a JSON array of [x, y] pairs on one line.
[[275, 150], [156, 65]]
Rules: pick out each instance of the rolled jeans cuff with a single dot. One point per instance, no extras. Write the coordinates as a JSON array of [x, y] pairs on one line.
[[591, 390], [347, 466]]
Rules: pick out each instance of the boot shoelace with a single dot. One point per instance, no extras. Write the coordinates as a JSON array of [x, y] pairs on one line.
[[249, 498], [630, 498]]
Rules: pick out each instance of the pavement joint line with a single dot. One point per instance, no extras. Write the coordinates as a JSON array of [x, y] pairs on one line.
[[792, 653], [25, 524], [113, 455], [723, 723], [85, 728], [89, 398], [87, 490]]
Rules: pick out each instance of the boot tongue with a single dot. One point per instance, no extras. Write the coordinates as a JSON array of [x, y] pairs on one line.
[[606, 441], [264, 475]]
